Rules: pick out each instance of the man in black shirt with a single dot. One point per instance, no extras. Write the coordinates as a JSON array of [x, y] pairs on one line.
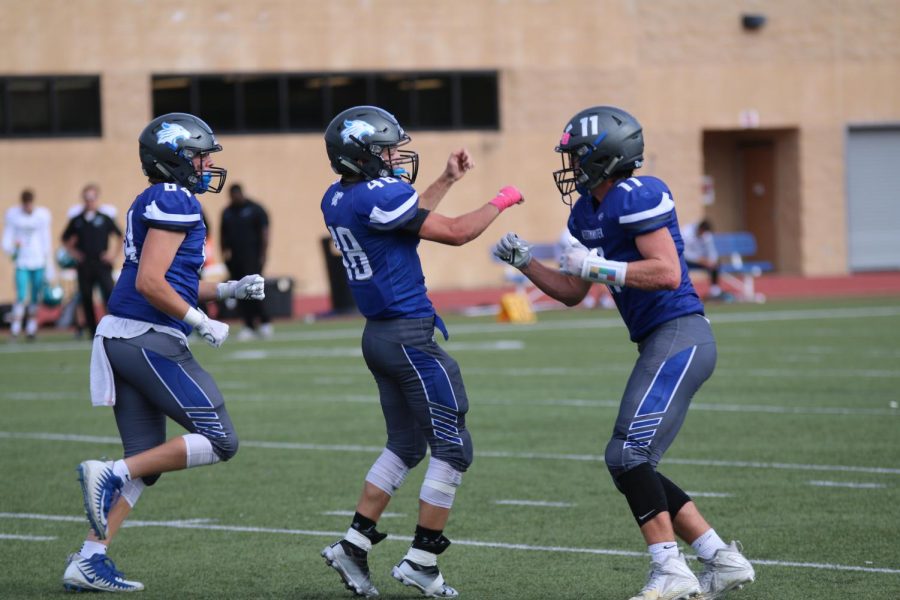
[[86, 238], [244, 240]]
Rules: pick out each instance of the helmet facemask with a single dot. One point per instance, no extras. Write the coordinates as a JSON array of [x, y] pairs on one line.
[[403, 164], [582, 171]]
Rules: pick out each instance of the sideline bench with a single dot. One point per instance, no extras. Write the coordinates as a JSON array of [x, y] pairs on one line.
[[734, 270]]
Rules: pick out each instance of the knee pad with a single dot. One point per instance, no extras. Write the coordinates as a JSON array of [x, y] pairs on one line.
[[410, 450], [676, 498], [225, 447], [441, 481], [200, 451], [458, 456], [644, 492], [132, 490], [388, 472]]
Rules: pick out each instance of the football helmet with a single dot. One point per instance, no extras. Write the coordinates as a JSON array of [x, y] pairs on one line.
[[52, 295], [597, 143], [356, 138], [168, 145]]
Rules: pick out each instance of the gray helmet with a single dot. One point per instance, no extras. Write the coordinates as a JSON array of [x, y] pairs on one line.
[[596, 144], [168, 145], [356, 138]]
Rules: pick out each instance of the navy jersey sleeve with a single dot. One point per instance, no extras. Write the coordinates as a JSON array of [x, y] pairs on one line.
[[173, 208], [387, 204], [647, 205]]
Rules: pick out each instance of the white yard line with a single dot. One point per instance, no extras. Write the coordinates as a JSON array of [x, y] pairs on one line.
[[848, 484], [177, 524], [27, 538], [350, 513], [709, 494], [95, 439], [546, 503], [605, 322], [553, 402]]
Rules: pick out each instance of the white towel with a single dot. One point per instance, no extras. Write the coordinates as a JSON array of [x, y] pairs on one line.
[[103, 389]]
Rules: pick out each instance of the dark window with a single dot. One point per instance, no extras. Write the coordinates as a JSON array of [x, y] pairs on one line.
[[346, 92], [262, 104], [78, 104], [248, 103], [50, 106], [217, 103], [171, 94], [433, 99], [479, 101], [306, 103], [29, 104], [392, 93]]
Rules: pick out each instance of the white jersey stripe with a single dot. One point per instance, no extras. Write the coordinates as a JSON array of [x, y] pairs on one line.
[[665, 205], [154, 213], [382, 216]]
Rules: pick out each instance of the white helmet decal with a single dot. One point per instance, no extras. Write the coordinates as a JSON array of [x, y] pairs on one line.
[[171, 133], [357, 129]]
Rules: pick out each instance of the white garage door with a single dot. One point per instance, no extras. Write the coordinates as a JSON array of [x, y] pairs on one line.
[[873, 198]]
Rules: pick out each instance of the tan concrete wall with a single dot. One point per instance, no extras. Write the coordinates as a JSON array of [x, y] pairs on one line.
[[681, 66]]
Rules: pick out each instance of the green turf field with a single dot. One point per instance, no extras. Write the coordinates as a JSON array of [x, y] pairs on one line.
[[793, 447]]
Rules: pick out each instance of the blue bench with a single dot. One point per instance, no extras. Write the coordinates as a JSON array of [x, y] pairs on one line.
[[733, 247]]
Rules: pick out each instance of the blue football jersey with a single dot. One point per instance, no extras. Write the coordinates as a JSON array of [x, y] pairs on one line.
[[162, 206], [381, 260], [634, 207]]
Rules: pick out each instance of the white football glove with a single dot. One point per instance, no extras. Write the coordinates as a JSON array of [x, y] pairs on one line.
[[213, 332], [513, 250], [251, 287], [571, 261]]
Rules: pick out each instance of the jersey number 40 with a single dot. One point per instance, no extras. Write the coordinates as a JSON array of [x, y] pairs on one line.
[[355, 260]]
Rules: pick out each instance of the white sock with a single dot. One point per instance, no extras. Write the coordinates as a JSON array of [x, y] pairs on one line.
[[421, 557], [663, 551], [120, 470], [358, 539], [89, 548], [708, 544]]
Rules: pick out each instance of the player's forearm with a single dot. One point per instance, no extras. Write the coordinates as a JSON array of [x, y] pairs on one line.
[[162, 296], [207, 292], [653, 274], [567, 289], [432, 196], [469, 226]]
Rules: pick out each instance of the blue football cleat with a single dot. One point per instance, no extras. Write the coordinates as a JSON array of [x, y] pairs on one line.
[[100, 488], [96, 574]]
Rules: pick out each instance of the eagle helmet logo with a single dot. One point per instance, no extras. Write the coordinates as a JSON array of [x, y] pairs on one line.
[[170, 133], [356, 129]]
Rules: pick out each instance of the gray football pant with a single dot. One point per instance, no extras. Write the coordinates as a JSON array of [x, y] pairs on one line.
[[421, 390], [674, 362], [156, 376]]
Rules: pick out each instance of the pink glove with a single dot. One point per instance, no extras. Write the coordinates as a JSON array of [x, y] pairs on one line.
[[506, 197]]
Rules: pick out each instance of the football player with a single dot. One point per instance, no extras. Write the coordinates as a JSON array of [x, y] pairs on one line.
[[377, 219], [627, 237], [26, 238], [140, 362]]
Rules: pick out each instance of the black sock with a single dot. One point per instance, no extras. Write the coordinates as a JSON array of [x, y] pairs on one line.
[[362, 524]]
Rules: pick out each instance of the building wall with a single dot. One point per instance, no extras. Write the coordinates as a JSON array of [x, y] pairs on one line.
[[681, 66]]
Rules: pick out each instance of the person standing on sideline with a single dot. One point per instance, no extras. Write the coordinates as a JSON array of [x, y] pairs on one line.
[[26, 238], [700, 253], [244, 241], [627, 237], [86, 239], [140, 362], [377, 219]]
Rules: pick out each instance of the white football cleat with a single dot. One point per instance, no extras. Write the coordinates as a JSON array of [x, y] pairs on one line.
[[727, 570], [96, 574], [671, 580], [428, 580], [352, 564], [100, 489]]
